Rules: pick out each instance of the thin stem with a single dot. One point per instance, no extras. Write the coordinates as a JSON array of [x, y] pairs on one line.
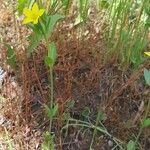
[[145, 116], [95, 130], [89, 125], [51, 89], [52, 95], [138, 136], [147, 110]]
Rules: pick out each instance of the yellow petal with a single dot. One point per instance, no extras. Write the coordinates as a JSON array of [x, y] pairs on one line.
[[41, 12], [147, 53], [27, 12], [35, 8], [27, 20], [33, 14], [35, 21]]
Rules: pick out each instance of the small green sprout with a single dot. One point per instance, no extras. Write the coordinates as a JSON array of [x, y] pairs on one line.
[[131, 145]]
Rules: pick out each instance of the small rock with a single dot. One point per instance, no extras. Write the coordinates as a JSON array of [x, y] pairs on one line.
[[2, 76], [110, 143], [2, 120]]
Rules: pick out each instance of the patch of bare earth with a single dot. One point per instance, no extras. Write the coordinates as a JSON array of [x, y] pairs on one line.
[[80, 75]]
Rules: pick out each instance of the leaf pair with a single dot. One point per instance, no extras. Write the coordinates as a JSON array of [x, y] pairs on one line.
[[49, 142], [51, 57], [34, 38], [49, 23], [42, 30], [51, 112]]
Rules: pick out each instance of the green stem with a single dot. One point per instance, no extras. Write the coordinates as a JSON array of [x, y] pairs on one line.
[[50, 78], [51, 88], [52, 95], [95, 130], [139, 134], [89, 125], [46, 40], [145, 116]]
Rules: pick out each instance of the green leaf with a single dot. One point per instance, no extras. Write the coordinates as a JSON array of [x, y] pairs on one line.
[[66, 4], [131, 145], [54, 110], [34, 38], [66, 116], [48, 142], [52, 51], [146, 123], [70, 104], [24, 3], [147, 76], [21, 6], [78, 20], [11, 57], [48, 61], [136, 56], [48, 111], [124, 35], [48, 136], [147, 10], [83, 9], [52, 54], [30, 3], [102, 116], [86, 111], [43, 28], [147, 22], [104, 4], [45, 147], [51, 112], [51, 22]]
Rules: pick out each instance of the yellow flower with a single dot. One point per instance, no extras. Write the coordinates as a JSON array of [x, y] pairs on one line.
[[32, 15], [147, 53]]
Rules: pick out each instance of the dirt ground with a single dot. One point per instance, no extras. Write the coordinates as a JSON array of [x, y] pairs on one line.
[[81, 76]]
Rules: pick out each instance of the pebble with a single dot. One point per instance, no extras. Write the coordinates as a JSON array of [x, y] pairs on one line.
[[2, 76], [2, 120], [110, 143]]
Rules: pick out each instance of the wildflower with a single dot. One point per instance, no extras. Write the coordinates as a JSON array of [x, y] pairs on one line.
[[32, 15], [147, 53]]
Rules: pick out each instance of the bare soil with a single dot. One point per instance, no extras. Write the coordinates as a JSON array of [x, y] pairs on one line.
[[79, 75]]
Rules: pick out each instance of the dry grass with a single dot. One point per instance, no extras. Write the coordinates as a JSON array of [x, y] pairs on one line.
[[80, 74]]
